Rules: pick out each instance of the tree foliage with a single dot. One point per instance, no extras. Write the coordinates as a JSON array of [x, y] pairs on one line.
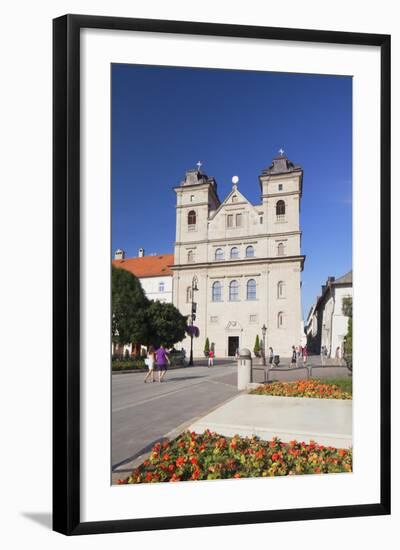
[[165, 324], [129, 305], [348, 340], [207, 346]]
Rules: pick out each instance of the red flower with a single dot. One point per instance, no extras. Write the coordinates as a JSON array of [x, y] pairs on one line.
[[149, 476], [171, 467], [180, 461], [275, 457], [237, 475], [193, 460], [166, 456], [175, 478]]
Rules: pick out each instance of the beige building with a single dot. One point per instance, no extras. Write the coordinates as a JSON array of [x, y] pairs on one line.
[[245, 260]]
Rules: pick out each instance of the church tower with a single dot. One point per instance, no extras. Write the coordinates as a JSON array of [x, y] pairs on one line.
[[196, 198]]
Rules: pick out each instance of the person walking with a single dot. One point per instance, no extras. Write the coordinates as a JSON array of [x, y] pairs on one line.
[[150, 359], [304, 354], [162, 360], [211, 358], [293, 362], [270, 356], [338, 355]]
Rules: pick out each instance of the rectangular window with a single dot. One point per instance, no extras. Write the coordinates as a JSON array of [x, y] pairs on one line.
[[280, 187], [191, 198], [229, 220], [253, 318], [261, 219], [213, 319], [238, 220]]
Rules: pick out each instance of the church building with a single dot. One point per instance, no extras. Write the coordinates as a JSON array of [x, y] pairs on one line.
[[237, 266]]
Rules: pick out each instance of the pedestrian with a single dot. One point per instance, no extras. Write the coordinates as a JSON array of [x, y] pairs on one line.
[[293, 362], [271, 356], [150, 359], [322, 355], [162, 360], [338, 355], [211, 358], [304, 354], [237, 353]]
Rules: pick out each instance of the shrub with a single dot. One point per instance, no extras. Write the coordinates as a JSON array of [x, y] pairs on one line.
[[207, 347], [257, 347]]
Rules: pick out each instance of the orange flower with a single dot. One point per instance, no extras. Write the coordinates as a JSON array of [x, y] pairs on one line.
[[166, 456], [275, 457], [237, 475]]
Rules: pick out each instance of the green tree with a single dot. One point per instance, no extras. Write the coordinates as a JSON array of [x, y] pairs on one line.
[[257, 348], [129, 305], [165, 324], [207, 346], [347, 307]]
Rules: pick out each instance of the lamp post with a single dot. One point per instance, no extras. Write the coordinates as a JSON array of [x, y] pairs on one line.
[[264, 332], [192, 318]]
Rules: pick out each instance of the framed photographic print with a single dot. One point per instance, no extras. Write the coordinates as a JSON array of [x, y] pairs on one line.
[[221, 274]]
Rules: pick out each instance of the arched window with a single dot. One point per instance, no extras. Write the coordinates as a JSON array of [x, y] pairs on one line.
[[216, 292], [251, 290], [190, 256], [234, 253], [233, 291], [250, 251], [219, 254], [189, 294], [281, 249], [234, 198], [161, 286], [281, 319], [191, 220], [281, 289], [280, 210]]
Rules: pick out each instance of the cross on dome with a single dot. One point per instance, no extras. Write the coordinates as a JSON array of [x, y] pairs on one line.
[[199, 165], [281, 151]]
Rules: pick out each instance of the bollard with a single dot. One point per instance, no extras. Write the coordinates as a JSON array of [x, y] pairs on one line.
[[244, 369]]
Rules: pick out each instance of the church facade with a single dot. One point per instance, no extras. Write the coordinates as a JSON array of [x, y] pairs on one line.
[[237, 266]]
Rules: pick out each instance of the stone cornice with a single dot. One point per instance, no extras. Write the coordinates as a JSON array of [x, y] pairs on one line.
[[240, 263], [232, 238]]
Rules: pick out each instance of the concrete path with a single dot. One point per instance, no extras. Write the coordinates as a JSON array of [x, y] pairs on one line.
[[326, 421]]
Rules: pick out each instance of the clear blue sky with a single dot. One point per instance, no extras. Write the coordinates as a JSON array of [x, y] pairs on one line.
[[166, 119]]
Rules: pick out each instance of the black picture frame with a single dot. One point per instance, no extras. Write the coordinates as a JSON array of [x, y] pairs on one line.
[[66, 273]]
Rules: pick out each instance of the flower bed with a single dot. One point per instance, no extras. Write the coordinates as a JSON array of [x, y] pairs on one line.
[[303, 388], [211, 456]]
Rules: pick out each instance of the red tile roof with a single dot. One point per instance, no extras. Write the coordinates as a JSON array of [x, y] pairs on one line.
[[147, 266]]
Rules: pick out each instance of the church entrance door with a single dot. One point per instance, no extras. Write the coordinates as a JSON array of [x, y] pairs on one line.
[[233, 345]]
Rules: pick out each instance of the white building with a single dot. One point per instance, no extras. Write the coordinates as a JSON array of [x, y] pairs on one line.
[[155, 276], [154, 273], [245, 259], [326, 323]]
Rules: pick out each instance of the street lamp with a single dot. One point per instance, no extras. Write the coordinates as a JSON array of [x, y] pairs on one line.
[[264, 332], [192, 318]]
